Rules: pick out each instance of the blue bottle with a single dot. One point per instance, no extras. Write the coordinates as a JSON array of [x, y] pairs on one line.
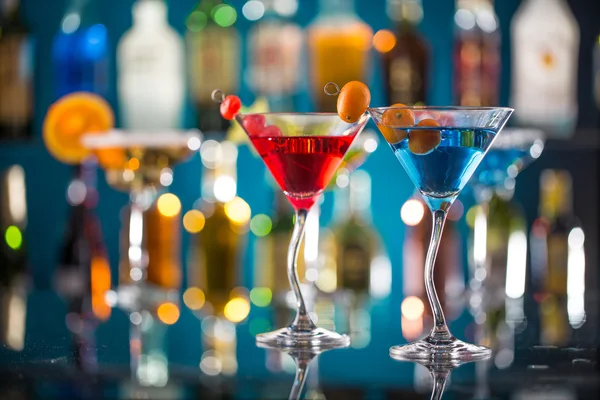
[[80, 51]]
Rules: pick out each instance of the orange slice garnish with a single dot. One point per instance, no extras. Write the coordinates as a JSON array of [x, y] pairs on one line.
[[70, 118]]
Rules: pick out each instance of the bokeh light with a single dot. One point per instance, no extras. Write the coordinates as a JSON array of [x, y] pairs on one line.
[[237, 309], [194, 298], [370, 145], [286, 8], [384, 41], [261, 296], [168, 313], [134, 164], [412, 308], [194, 221], [193, 143], [471, 214], [456, 211], [238, 211], [253, 10], [327, 281], [261, 225], [166, 177], [13, 237], [225, 188], [135, 318], [168, 205], [224, 15], [100, 282], [412, 212], [76, 192], [196, 21]]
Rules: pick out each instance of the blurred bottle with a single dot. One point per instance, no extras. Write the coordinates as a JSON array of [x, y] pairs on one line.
[[448, 274], [476, 53], [217, 249], [498, 262], [80, 51], [213, 55], [558, 261], [498, 250], [351, 261], [151, 71], [338, 46], [275, 47], [83, 273], [356, 240], [545, 47], [406, 65], [14, 274], [16, 73]]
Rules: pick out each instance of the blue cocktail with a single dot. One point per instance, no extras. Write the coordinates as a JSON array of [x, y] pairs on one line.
[[440, 149], [441, 174], [506, 158]]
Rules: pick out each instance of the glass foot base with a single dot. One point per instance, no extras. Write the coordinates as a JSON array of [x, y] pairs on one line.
[[317, 338], [428, 349]]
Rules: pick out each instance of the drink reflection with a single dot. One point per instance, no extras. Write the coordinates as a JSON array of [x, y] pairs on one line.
[[440, 369], [303, 358]]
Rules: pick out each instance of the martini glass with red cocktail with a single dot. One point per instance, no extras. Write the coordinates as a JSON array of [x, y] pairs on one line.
[[303, 152]]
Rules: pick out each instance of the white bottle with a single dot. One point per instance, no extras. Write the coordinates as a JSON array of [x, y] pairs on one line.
[[151, 76], [545, 43]]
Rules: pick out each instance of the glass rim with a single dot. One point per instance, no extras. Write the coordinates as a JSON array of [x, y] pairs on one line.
[[120, 138], [440, 108]]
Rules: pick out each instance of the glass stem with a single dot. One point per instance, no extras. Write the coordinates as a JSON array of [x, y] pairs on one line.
[[302, 364], [302, 322], [440, 331], [439, 383]]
